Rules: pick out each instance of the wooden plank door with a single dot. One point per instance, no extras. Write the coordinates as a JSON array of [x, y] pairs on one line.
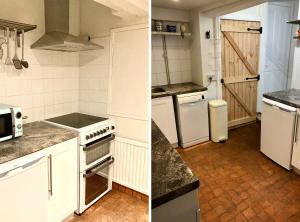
[[240, 59]]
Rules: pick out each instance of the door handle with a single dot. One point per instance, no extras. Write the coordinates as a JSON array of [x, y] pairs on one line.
[[101, 142], [99, 167], [19, 168], [297, 128], [50, 185], [256, 77]]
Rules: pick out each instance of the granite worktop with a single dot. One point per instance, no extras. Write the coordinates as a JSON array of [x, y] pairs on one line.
[[36, 136], [171, 177], [176, 89], [289, 97]]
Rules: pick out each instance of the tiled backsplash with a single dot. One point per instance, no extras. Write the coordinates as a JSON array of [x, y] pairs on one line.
[[93, 79], [179, 55], [49, 87]]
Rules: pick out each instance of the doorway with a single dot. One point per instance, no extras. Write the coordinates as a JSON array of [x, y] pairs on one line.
[[254, 63], [240, 42]]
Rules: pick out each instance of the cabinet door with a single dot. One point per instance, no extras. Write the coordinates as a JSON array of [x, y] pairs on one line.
[[163, 116], [63, 174]]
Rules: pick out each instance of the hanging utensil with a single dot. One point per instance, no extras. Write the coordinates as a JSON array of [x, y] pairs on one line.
[[16, 60], [2, 41], [23, 62], [7, 60]]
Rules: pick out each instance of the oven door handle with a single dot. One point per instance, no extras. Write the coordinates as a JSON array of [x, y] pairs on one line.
[[101, 142], [96, 169]]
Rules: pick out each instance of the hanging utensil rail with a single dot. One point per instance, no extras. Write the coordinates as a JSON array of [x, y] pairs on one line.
[[16, 25]]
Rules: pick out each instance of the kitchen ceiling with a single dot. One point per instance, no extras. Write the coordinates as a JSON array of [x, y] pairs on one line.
[[184, 4]]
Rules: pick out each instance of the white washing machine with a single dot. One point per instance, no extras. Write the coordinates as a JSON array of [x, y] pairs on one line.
[[192, 118]]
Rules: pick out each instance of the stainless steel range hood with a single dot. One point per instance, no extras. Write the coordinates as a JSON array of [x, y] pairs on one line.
[[57, 36]]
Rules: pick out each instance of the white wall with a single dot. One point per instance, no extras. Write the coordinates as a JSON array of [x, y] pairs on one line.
[[170, 14], [296, 67], [49, 87], [203, 52], [179, 57], [97, 20], [94, 67], [93, 79]]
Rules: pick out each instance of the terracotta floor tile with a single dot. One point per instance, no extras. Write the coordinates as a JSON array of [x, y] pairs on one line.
[[236, 177], [114, 207]]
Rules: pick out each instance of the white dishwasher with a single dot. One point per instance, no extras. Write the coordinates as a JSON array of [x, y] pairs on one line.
[[277, 131], [192, 118], [24, 189]]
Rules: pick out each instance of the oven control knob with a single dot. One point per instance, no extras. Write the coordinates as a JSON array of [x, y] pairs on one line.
[[95, 134], [101, 131], [87, 137], [98, 133], [19, 115], [112, 127], [91, 135], [104, 130]]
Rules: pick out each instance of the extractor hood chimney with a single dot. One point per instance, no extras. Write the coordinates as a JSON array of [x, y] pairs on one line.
[[57, 36]]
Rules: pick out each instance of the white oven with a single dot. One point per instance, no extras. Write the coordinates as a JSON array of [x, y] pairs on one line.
[[96, 163], [95, 135]]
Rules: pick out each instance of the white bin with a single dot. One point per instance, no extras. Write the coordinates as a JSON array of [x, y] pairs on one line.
[[218, 120]]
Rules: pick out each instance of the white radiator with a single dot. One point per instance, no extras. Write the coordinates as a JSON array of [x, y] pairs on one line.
[[131, 164]]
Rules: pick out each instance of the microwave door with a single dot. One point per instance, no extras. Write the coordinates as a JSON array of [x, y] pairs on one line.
[[6, 126]]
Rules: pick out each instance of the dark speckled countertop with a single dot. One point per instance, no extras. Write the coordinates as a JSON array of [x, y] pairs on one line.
[[289, 97], [171, 177], [37, 136], [175, 89]]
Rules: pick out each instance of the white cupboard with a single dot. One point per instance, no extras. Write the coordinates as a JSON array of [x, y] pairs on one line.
[[23, 189], [63, 183], [129, 73], [163, 115]]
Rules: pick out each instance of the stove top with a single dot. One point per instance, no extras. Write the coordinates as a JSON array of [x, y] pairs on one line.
[[76, 120]]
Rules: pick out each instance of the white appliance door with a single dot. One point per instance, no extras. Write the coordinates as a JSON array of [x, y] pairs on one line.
[[193, 122], [24, 190], [277, 132]]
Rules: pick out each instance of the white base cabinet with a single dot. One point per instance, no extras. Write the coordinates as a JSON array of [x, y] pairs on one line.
[[23, 189], [163, 115], [63, 180], [183, 208]]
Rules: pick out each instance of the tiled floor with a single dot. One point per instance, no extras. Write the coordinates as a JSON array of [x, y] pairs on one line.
[[115, 207], [238, 183]]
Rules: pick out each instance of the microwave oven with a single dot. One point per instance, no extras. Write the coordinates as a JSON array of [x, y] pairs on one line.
[[10, 122]]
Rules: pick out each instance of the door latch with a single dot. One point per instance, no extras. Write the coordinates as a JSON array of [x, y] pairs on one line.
[[256, 77], [259, 29]]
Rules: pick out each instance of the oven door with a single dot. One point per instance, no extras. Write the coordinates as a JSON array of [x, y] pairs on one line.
[[95, 183], [6, 126], [94, 152]]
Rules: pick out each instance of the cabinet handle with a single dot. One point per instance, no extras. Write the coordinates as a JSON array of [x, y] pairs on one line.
[[198, 215], [297, 128], [50, 190]]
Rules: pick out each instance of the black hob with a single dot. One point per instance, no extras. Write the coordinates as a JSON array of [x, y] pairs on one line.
[[76, 120]]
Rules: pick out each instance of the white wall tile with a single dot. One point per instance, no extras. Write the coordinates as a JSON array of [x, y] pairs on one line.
[[179, 57], [94, 79]]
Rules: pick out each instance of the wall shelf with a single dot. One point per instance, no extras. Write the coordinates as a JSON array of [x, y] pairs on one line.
[[171, 33], [16, 25], [297, 22]]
